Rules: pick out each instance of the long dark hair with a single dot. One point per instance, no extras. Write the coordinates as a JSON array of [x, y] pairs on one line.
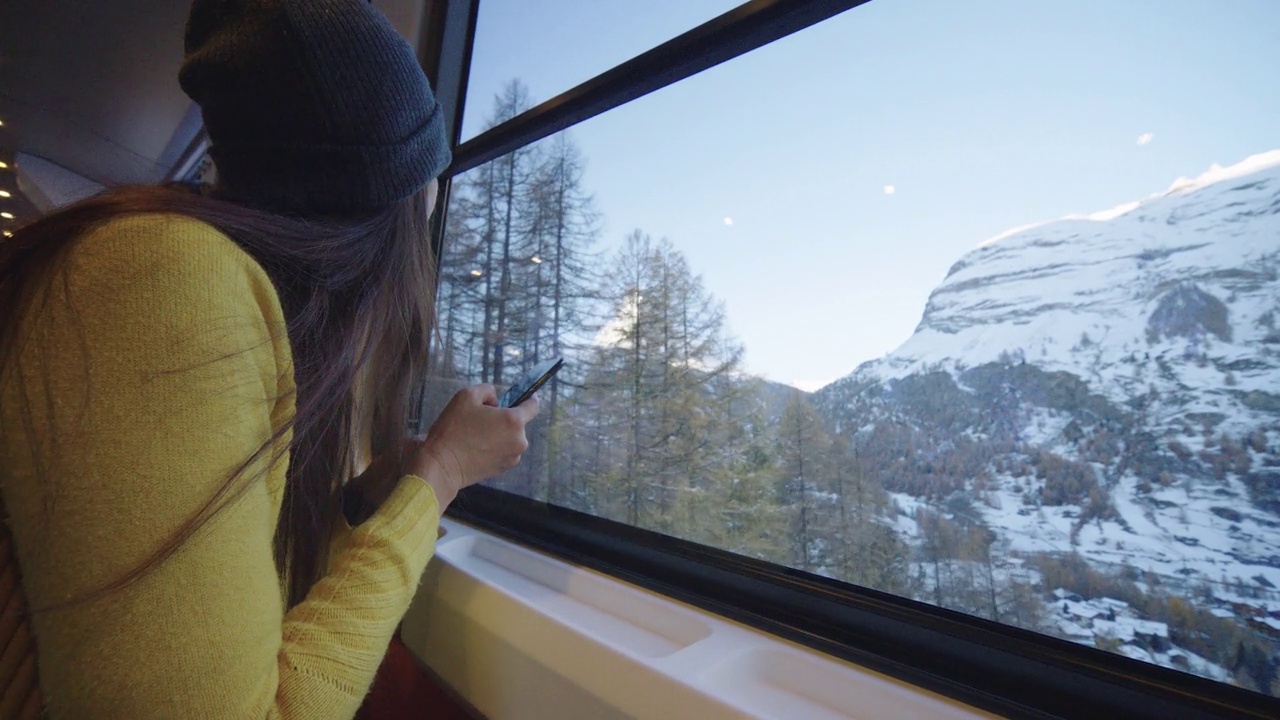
[[358, 296]]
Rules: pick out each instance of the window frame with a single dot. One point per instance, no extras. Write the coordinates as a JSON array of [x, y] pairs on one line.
[[1003, 669], [1007, 670]]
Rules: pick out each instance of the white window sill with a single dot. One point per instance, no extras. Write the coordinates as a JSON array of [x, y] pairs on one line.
[[520, 634]]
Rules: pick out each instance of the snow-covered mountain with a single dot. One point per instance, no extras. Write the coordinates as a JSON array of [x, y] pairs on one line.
[[1186, 274], [1107, 385]]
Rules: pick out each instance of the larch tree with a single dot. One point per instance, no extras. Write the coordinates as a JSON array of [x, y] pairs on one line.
[[486, 254], [662, 367], [563, 227], [804, 455]]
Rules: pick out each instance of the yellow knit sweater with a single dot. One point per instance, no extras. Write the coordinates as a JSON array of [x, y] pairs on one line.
[[158, 365]]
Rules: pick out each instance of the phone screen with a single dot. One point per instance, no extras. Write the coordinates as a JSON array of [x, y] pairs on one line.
[[526, 386]]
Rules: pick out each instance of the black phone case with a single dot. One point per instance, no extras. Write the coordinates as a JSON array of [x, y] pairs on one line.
[[525, 387]]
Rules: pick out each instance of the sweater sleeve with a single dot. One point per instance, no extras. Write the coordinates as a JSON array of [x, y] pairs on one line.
[[158, 363]]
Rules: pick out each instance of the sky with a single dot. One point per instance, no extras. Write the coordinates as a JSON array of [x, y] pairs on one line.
[[823, 185]]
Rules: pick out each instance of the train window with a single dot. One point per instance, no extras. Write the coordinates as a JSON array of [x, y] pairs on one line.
[[552, 46], [971, 303]]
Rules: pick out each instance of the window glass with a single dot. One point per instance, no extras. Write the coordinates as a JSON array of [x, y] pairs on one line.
[[976, 303], [553, 45]]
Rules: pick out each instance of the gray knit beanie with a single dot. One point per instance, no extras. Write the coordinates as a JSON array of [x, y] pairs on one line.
[[312, 106]]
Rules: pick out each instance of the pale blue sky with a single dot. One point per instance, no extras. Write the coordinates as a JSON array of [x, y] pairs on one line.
[[982, 114]]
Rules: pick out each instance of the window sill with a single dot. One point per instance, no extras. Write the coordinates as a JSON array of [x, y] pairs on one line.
[[520, 634]]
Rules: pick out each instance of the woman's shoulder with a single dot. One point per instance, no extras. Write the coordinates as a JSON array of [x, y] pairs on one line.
[[172, 244], [178, 269], [179, 282]]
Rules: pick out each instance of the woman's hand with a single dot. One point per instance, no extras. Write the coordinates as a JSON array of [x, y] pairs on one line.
[[472, 440]]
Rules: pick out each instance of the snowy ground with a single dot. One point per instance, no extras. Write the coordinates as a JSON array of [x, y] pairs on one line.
[[1107, 622]]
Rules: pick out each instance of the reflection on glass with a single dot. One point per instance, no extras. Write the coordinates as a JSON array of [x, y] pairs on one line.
[[817, 310]]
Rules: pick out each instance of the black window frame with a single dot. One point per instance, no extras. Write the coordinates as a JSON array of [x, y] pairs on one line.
[[999, 668]]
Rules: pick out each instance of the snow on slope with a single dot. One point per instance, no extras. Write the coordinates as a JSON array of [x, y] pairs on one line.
[[1107, 386], [1173, 301], [1045, 289]]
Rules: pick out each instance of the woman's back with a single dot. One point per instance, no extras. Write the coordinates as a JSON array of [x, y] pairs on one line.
[[145, 316], [158, 364]]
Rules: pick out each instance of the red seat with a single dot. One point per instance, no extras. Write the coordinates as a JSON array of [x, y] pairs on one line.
[[404, 689]]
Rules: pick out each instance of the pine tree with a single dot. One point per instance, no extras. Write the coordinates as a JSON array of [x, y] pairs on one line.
[[877, 557], [744, 515], [939, 549], [804, 454], [564, 229], [870, 551], [486, 254], [660, 375], [516, 279], [506, 200], [977, 548]]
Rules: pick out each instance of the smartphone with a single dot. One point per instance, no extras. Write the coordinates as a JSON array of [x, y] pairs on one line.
[[525, 387]]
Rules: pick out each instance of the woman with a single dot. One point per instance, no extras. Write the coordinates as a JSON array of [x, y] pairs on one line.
[[186, 383]]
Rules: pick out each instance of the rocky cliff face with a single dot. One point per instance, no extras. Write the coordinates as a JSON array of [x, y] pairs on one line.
[[1107, 384]]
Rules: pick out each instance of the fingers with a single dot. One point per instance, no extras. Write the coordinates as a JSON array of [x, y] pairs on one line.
[[486, 393], [527, 410], [481, 439]]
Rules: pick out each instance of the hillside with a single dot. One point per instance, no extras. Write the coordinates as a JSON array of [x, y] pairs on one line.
[[1105, 385]]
